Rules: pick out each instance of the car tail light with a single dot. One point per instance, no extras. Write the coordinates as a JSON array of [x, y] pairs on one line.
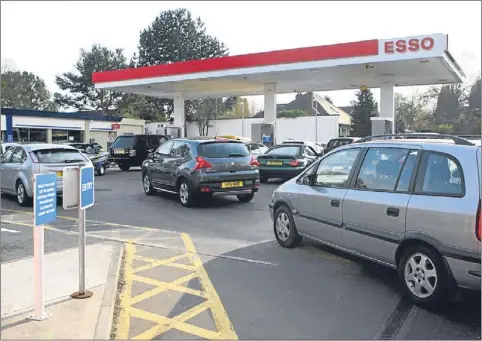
[[132, 153], [33, 157], [478, 224], [254, 162], [201, 163], [294, 163]]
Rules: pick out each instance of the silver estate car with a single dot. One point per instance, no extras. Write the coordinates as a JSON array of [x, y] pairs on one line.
[[410, 204], [20, 163]]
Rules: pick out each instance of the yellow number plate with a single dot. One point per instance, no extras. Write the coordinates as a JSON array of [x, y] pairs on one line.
[[119, 151], [231, 184], [274, 163], [59, 173]]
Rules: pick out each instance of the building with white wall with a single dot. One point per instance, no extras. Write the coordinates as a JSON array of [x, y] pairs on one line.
[[29, 126]]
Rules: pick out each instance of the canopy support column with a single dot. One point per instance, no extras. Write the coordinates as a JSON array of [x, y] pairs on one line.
[[179, 114], [270, 114], [385, 124]]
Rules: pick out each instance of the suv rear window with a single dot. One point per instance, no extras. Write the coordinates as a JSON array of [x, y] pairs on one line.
[[124, 142], [338, 142], [59, 156], [222, 150]]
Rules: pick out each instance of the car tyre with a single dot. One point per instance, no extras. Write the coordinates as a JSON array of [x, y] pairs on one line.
[[101, 170], [423, 276], [147, 185], [285, 229], [186, 195], [245, 197], [22, 198], [124, 167], [263, 180]]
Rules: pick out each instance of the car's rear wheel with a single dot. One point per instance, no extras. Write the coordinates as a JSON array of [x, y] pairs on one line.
[[101, 170], [124, 166], [285, 229], [186, 195], [22, 198], [423, 275], [245, 197], [147, 185]]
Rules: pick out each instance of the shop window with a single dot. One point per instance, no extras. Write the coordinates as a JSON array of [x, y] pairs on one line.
[[20, 135], [38, 135]]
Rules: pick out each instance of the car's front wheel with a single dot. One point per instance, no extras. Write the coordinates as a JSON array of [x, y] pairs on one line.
[[423, 275], [22, 196], [245, 197], [285, 229], [147, 185], [101, 170]]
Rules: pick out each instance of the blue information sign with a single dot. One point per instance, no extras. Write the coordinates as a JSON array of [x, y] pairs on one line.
[[45, 198], [266, 139], [9, 138], [86, 187]]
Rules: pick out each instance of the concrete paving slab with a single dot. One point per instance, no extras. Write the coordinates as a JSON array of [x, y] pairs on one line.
[[72, 319], [61, 276]]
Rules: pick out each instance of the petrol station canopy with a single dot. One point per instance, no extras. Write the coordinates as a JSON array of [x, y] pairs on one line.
[[416, 60]]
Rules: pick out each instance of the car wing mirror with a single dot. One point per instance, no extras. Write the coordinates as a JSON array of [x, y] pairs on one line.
[[307, 180]]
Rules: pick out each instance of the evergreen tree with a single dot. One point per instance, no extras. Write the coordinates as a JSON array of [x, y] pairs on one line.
[[79, 92], [364, 108], [175, 36]]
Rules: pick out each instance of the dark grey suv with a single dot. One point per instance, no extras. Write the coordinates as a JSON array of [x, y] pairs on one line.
[[200, 168]]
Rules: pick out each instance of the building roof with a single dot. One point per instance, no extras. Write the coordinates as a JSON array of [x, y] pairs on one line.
[[77, 115], [320, 68]]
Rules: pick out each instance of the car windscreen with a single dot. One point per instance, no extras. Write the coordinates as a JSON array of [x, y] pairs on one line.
[[222, 150], [284, 150], [59, 155], [124, 142]]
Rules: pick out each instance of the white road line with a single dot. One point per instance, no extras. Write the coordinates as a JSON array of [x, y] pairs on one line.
[[8, 230]]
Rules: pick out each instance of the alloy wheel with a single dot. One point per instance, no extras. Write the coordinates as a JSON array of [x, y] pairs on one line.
[[420, 275], [283, 226]]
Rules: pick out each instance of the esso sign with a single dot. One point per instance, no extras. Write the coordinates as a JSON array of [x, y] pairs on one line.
[[410, 45]]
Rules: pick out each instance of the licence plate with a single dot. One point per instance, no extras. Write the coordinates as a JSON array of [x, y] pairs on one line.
[[231, 184], [59, 173], [274, 163], [119, 151]]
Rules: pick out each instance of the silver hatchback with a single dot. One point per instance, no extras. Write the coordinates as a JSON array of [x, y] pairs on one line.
[[20, 163], [413, 205]]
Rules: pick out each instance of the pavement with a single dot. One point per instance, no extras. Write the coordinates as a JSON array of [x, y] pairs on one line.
[[216, 272]]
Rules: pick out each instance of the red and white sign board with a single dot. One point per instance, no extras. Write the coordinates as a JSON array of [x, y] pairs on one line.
[[115, 126], [413, 47]]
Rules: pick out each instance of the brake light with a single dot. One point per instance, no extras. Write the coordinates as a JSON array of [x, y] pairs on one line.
[[201, 163], [294, 163], [254, 162], [478, 224], [33, 157]]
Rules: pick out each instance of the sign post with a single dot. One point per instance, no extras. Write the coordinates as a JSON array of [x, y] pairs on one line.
[[86, 200], [45, 211]]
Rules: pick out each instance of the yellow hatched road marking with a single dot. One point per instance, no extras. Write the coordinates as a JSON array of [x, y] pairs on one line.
[[122, 331]]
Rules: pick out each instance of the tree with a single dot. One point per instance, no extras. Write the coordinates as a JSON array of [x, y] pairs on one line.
[[80, 93], [450, 103], [24, 90], [364, 108], [328, 98], [411, 113], [207, 109], [175, 36]]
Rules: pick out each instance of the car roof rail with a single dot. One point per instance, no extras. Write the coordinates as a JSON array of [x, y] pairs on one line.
[[456, 139]]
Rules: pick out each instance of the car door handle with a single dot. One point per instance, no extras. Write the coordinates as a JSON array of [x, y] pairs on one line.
[[335, 203], [392, 211]]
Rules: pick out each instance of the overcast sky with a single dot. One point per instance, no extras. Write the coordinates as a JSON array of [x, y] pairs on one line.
[[45, 37]]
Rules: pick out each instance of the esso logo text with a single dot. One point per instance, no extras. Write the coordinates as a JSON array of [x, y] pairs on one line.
[[410, 45]]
